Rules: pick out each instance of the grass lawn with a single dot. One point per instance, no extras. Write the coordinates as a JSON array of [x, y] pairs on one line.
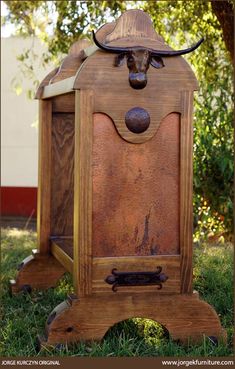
[[24, 316]]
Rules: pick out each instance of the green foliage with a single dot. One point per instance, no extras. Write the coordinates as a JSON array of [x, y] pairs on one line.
[[181, 24], [213, 152], [23, 316], [213, 278]]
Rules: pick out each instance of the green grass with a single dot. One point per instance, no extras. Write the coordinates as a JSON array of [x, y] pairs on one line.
[[24, 316]]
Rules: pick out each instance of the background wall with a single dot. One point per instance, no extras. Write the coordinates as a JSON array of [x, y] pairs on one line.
[[19, 131]]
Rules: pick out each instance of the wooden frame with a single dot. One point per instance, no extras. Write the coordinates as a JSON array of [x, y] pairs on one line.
[[83, 192], [44, 176], [186, 191], [62, 257], [185, 186]]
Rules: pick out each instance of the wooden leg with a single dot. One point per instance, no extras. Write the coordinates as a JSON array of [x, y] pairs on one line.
[[184, 316], [39, 271]]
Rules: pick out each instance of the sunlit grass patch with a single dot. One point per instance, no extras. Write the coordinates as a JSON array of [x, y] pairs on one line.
[[15, 246], [213, 278]]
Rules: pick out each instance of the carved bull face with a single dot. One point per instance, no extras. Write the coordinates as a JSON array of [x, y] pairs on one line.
[[138, 61], [139, 58]]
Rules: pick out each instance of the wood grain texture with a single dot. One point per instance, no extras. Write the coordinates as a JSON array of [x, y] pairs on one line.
[[186, 191], [102, 267], [72, 62], [64, 103], [66, 245], [83, 192], [169, 101], [87, 319], [174, 75], [62, 177], [160, 97], [62, 256], [68, 67], [104, 31], [131, 207], [133, 23], [135, 191], [39, 271], [157, 107], [44, 176]]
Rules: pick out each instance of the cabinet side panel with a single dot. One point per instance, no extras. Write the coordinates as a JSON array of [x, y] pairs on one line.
[[62, 174], [135, 191]]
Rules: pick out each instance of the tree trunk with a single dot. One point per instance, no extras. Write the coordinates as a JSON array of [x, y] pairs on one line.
[[225, 14]]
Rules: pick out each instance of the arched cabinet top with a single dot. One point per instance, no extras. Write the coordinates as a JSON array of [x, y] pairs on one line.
[[89, 67]]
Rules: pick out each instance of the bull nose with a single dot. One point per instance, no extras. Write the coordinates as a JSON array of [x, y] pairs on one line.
[[138, 80]]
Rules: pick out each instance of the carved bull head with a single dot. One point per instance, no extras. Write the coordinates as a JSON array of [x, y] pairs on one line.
[[139, 58]]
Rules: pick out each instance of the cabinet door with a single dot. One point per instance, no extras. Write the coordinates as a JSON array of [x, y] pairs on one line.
[[135, 204]]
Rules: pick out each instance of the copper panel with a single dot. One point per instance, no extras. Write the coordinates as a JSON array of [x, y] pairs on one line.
[[135, 191]]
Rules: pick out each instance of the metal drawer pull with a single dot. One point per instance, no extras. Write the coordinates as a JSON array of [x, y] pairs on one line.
[[121, 279]]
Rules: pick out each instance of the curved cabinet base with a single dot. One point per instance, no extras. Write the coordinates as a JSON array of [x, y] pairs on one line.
[[37, 271], [186, 317]]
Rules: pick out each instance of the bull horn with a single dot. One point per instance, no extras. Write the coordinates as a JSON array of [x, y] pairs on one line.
[[116, 49], [177, 52]]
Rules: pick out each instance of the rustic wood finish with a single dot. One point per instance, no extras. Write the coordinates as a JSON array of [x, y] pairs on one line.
[[37, 271], [159, 101], [83, 192], [44, 177], [186, 192], [111, 198], [66, 245], [131, 24], [64, 103], [62, 250], [80, 50], [184, 316], [62, 166], [72, 62], [62, 256], [169, 101], [104, 31], [102, 267], [157, 111]]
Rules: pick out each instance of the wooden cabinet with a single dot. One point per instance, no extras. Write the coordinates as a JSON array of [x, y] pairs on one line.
[[115, 187]]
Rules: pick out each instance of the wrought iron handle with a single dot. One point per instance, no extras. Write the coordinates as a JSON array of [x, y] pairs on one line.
[[122, 279]]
